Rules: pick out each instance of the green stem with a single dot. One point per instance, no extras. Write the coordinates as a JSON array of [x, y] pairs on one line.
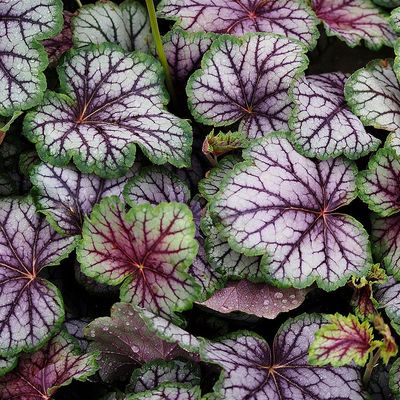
[[79, 3], [159, 47], [373, 360]]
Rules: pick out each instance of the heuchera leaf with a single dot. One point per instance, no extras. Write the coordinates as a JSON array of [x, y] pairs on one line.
[[223, 142], [293, 19], [355, 20], [154, 373], [61, 43], [395, 18], [31, 308], [148, 250], [373, 94], [262, 300], [252, 370], [124, 342], [110, 101], [388, 297], [387, 345], [7, 364], [105, 21], [283, 205], [41, 374], [22, 58], [246, 80], [385, 236], [378, 186], [169, 392], [378, 385], [322, 125], [66, 195], [184, 51], [342, 341], [394, 378]]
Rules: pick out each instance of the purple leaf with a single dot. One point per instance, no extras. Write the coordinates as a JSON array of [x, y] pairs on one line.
[[169, 392], [184, 51], [31, 308], [22, 59], [125, 341], [322, 125], [373, 94], [385, 237], [284, 206], [355, 20], [155, 185], [378, 186], [61, 43], [66, 195], [75, 328], [293, 19], [41, 374], [246, 80], [252, 370], [388, 297], [262, 300], [97, 122], [105, 21], [154, 373], [148, 250]]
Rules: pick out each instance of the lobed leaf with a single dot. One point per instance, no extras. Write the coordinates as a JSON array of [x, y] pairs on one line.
[[322, 125], [283, 206], [110, 102], [246, 80], [32, 308], [148, 250]]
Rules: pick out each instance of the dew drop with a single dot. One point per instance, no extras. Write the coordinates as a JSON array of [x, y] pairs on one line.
[[134, 348]]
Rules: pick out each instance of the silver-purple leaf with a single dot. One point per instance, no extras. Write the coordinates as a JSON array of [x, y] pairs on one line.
[[378, 186], [31, 307], [66, 195], [111, 101], [246, 81], [184, 51], [290, 18], [168, 391], [126, 24], [385, 237], [22, 58], [373, 94], [355, 20], [322, 125], [39, 375], [259, 299], [284, 206], [251, 369], [154, 373], [388, 297], [124, 342]]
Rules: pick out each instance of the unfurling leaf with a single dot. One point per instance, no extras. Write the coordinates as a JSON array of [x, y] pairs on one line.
[[342, 341], [388, 347], [148, 250], [39, 375], [110, 102], [251, 369], [284, 206], [246, 81], [222, 143]]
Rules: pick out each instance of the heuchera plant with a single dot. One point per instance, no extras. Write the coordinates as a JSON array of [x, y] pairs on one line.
[[199, 200]]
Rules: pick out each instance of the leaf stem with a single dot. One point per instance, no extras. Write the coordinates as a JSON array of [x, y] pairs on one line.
[[79, 3], [159, 47], [373, 360]]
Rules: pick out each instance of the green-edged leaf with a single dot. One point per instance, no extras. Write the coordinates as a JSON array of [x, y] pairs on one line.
[[246, 80], [284, 206], [322, 125], [154, 373], [5, 124], [66, 195], [126, 25], [7, 364], [342, 341], [169, 392], [39, 375], [388, 297], [394, 378], [148, 250], [378, 186], [31, 307], [22, 58], [110, 101]]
